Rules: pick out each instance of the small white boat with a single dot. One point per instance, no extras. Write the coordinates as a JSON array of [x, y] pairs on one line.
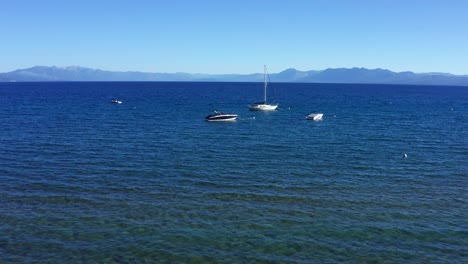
[[315, 117], [219, 116], [115, 101], [263, 106]]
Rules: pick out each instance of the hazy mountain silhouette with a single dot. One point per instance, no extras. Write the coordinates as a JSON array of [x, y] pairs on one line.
[[339, 75]]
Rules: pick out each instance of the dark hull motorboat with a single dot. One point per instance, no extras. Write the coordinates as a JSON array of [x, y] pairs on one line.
[[220, 116]]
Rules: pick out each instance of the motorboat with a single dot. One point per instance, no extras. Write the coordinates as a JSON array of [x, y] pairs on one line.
[[263, 106], [220, 116], [315, 116], [115, 101]]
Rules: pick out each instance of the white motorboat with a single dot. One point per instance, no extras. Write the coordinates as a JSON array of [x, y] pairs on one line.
[[220, 116], [115, 101], [315, 116], [263, 106]]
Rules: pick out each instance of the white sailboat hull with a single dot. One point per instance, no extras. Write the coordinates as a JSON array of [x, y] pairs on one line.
[[262, 107]]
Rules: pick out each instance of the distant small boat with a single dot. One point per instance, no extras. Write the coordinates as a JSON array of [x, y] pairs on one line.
[[115, 101], [315, 117], [220, 116]]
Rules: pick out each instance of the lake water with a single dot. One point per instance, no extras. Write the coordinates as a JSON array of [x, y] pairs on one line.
[[149, 181]]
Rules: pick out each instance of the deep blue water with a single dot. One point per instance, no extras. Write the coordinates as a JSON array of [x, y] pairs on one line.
[[149, 181]]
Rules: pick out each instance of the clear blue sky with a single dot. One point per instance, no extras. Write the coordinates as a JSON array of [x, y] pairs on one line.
[[235, 36]]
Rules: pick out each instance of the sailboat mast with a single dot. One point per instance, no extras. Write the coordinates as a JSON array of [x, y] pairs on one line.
[[265, 83]]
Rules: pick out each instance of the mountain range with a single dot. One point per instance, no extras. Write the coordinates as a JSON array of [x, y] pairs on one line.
[[337, 75]]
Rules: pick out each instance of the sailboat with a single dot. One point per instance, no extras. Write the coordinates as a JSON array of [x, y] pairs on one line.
[[263, 106]]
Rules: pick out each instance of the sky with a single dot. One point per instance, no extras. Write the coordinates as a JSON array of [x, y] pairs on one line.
[[240, 36]]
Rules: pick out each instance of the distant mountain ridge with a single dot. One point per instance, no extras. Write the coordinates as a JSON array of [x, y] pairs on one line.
[[336, 75]]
